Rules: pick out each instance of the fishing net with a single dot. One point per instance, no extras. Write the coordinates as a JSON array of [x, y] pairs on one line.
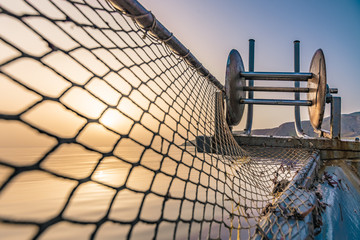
[[108, 133]]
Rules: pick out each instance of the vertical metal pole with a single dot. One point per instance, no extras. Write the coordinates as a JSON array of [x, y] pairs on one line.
[[218, 118], [298, 127], [212, 144], [335, 118], [216, 144], [251, 84]]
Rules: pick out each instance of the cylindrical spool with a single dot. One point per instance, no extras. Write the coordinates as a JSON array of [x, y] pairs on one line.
[[317, 89], [233, 88]]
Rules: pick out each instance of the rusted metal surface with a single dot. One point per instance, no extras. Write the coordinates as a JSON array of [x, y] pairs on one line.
[[352, 174], [317, 86], [329, 148], [339, 187], [335, 120], [233, 88]]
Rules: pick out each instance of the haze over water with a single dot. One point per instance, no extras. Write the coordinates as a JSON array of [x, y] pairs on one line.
[[41, 195]]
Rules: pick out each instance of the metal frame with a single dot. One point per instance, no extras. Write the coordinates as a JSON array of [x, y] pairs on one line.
[[279, 76], [296, 77], [335, 118]]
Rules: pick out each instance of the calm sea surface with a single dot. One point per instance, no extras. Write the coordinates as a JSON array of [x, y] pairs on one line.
[[111, 186]]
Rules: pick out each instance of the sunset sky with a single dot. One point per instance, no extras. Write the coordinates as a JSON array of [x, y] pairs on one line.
[[211, 28]]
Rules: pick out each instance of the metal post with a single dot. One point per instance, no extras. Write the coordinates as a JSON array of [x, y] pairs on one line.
[[298, 127], [219, 114], [251, 84], [335, 118], [212, 144], [219, 121]]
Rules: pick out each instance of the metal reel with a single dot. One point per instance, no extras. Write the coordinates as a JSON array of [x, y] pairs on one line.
[[317, 89], [233, 88]]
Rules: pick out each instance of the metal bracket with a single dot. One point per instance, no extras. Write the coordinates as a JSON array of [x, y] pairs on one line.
[[335, 119]]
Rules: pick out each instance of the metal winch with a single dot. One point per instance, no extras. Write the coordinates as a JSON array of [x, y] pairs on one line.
[[238, 82]]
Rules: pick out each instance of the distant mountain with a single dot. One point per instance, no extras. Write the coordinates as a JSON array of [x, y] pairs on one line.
[[350, 127]]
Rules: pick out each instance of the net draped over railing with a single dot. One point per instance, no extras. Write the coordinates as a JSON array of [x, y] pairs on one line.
[[99, 122]]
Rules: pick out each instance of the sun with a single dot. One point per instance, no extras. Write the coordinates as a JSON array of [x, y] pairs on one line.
[[115, 120]]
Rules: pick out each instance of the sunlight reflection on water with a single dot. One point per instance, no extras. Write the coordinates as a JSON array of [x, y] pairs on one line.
[[42, 195], [79, 185]]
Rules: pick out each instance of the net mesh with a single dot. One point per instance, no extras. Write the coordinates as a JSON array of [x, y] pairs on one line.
[[107, 133]]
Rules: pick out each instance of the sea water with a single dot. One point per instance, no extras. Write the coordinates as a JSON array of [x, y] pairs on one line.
[[81, 186]]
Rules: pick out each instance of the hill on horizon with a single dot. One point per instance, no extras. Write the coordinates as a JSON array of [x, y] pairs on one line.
[[350, 127]]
